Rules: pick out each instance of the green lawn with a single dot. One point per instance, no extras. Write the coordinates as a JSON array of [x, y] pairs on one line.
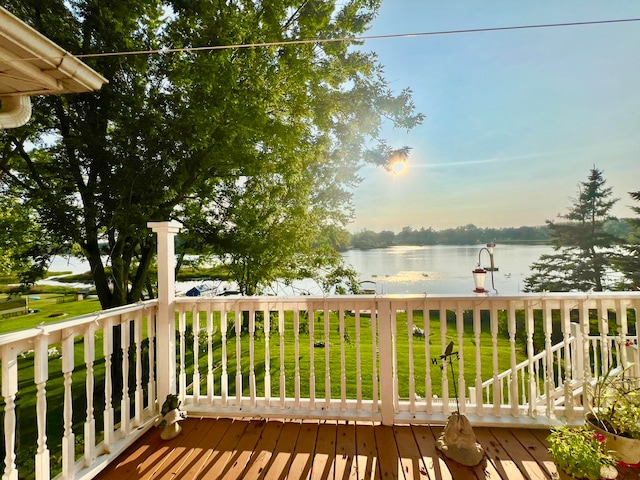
[[53, 307]]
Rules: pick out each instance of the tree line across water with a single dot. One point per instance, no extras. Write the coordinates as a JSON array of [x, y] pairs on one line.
[[469, 235]]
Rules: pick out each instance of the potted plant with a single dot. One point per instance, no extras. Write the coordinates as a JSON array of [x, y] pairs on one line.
[[581, 453], [616, 414]]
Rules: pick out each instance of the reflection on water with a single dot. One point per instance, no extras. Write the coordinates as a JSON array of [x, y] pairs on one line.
[[443, 268]]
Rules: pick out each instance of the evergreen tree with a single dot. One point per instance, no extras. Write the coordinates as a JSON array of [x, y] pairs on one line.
[[585, 249], [628, 262]]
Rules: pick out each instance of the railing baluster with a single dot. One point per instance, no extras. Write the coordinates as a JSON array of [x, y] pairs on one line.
[[252, 359], [296, 349], [327, 358], [462, 389], [623, 331], [239, 322], [374, 358], [125, 405], [529, 326], [224, 376], [444, 382], [139, 392], [267, 356], [497, 386], [182, 375], [513, 387], [40, 377], [477, 327], [195, 325], [358, 360], [68, 438], [428, 387], [109, 416], [90, 422], [9, 391], [151, 336], [281, 332], [210, 377], [343, 363], [550, 384], [603, 328], [312, 366], [412, 380]]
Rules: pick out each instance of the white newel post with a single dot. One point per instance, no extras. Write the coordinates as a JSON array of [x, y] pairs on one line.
[[165, 320], [387, 390]]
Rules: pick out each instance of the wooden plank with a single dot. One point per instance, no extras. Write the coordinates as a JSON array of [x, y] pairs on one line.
[[497, 455], [410, 459], [146, 467], [537, 450], [181, 453], [214, 465], [387, 453], [345, 463], [125, 464], [367, 464], [208, 442], [325, 454], [282, 453], [244, 450], [264, 449], [303, 455], [433, 463], [525, 462]]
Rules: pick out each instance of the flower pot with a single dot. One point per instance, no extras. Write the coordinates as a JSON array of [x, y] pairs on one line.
[[624, 448], [566, 476]]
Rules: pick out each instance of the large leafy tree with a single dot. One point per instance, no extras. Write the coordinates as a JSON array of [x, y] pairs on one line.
[[254, 149], [585, 249]]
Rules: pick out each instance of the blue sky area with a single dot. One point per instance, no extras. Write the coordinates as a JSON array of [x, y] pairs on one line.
[[514, 119]]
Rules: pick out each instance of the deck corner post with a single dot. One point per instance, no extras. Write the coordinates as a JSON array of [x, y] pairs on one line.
[[387, 390], [165, 319]]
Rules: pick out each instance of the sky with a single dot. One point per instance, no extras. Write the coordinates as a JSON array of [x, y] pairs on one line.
[[514, 119]]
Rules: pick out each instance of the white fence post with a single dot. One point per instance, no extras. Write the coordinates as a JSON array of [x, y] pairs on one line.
[[165, 320], [387, 391]]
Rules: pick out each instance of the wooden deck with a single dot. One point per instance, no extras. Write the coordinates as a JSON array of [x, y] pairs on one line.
[[255, 449]]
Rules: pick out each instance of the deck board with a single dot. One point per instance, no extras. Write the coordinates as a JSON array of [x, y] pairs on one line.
[[295, 450]]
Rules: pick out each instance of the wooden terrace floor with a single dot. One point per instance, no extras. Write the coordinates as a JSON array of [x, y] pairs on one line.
[[256, 449]]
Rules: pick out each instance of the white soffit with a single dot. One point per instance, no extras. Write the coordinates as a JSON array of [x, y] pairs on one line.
[[31, 64]]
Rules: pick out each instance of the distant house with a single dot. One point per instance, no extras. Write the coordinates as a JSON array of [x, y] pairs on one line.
[[31, 64], [197, 291]]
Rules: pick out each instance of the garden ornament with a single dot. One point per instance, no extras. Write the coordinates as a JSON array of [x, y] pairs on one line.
[[171, 415], [457, 441]]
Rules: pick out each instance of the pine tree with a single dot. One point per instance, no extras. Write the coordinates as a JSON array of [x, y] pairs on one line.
[[585, 249], [628, 262]]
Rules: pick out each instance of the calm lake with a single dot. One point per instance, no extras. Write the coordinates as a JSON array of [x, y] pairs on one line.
[[428, 269], [443, 268]]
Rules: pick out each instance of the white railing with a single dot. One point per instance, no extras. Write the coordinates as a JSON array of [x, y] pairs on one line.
[[349, 357], [372, 357], [63, 412], [522, 373]]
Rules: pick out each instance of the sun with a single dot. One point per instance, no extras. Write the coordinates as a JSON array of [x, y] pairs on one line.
[[398, 167]]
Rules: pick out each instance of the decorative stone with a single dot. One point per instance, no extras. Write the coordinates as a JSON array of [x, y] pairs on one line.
[[458, 442]]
